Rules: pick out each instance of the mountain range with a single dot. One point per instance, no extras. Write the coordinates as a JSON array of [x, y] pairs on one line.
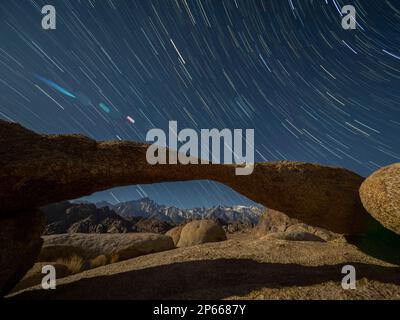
[[143, 215], [147, 208]]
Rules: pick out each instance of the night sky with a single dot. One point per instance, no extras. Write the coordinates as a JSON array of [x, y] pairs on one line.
[[311, 90]]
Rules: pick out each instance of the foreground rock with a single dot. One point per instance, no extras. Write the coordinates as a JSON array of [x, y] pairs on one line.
[[380, 195], [36, 170], [238, 269], [321, 233], [20, 243], [200, 231], [273, 221], [90, 246], [175, 234], [277, 225]]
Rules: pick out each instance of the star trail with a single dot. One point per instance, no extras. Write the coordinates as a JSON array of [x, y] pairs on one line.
[[114, 69]]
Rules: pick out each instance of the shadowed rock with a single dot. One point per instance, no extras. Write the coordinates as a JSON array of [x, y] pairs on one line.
[[20, 245], [36, 170]]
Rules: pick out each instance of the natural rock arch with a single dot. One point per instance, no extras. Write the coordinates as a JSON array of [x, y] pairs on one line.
[[36, 170]]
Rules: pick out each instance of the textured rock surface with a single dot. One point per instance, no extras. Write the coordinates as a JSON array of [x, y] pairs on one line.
[[20, 244], [273, 221], [319, 232], [238, 227], [89, 246], [380, 195], [175, 234], [36, 170], [277, 225], [200, 231]]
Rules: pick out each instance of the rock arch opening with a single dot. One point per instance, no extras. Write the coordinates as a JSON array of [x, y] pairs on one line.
[[44, 169]]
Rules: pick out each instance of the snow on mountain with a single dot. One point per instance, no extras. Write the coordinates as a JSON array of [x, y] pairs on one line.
[[147, 208]]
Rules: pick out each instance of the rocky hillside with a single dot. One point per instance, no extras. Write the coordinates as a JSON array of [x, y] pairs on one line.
[[66, 217]]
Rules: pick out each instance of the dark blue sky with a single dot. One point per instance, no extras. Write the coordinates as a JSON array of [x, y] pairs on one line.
[[311, 90]]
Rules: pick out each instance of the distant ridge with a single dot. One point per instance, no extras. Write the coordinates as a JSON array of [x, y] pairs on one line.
[[147, 208], [143, 215]]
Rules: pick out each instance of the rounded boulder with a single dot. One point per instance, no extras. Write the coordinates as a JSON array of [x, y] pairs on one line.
[[200, 231], [380, 195]]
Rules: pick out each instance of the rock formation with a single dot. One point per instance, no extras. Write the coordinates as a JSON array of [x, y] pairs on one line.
[[37, 170], [20, 244], [200, 231], [273, 221], [277, 225], [324, 234], [380, 195], [175, 234], [90, 246]]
